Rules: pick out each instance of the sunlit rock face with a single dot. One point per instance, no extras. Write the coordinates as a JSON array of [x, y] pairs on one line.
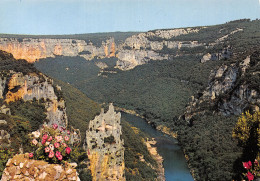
[[17, 86], [141, 48], [230, 90], [32, 49], [20, 167], [105, 147], [136, 50]]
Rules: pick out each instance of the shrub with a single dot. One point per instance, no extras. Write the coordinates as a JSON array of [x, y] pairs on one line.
[[109, 139], [5, 154], [252, 170], [52, 144]]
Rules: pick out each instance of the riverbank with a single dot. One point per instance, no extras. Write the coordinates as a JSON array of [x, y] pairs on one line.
[[174, 162], [150, 144], [161, 128], [164, 130]]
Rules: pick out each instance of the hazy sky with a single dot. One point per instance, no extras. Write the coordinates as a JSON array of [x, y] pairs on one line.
[[88, 16]]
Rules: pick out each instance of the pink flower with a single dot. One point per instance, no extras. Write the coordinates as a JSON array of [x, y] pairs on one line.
[[66, 138], [55, 126], [51, 154], [64, 144], [56, 145], [68, 150], [43, 142], [50, 138], [34, 141], [68, 132], [51, 146], [30, 155], [250, 176], [60, 157], [247, 165], [58, 138], [44, 137], [57, 154], [47, 150]]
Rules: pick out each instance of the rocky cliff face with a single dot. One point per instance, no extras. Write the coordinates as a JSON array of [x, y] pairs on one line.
[[104, 146], [136, 50], [224, 54], [20, 167], [232, 89], [16, 86], [141, 48], [32, 49]]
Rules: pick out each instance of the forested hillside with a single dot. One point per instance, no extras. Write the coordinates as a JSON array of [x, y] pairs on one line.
[[20, 117], [161, 90]]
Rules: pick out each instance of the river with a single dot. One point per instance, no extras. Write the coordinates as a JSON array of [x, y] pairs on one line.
[[174, 163]]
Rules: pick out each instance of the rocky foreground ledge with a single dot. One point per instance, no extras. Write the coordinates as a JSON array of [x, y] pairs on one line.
[[20, 167]]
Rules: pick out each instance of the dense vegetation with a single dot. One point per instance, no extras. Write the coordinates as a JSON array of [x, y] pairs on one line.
[[210, 147], [247, 132], [160, 91], [28, 116], [18, 128], [34, 112], [78, 116], [134, 148], [7, 63]]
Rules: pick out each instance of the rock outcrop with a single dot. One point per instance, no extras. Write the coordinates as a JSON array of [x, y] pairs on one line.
[[224, 54], [104, 146], [32, 49], [5, 141], [34, 86], [230, 90], [20, 167], [2, 86], [5, 110], [141, 48]]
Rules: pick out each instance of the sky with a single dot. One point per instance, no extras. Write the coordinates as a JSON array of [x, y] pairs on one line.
[[90, 16]]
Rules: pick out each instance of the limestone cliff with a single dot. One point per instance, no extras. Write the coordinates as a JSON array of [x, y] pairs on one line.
[[224, 54], [135, 50], [32, 49], [104, 146], [232, 89], [141, 48], [20, 167], [16, 86]]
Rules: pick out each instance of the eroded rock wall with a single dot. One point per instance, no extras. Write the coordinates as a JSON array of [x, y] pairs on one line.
[[229, 91], [32, 86], [141, 48], [104, 146], [2, 86], [135, 50], [32, 49]]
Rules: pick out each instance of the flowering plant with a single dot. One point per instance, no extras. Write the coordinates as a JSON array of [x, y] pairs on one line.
[[253, 170], [51, 144]]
